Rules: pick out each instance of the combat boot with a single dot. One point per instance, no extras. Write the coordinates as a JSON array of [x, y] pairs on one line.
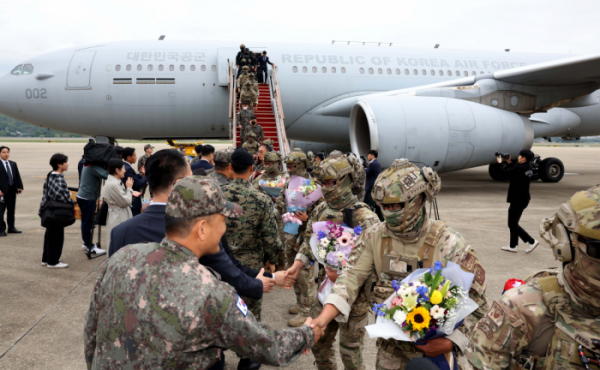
[[297, 321], [294, 309]]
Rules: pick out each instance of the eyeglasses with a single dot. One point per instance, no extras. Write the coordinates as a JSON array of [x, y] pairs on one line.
[[592, 246]]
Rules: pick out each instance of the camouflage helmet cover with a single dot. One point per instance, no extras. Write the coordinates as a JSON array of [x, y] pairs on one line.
[[580, 215], [296, 157], [242, 46], [272, 157], [268, 141], [245, 68], [251, 134], [334, 167], [403, 181], [198, 197]]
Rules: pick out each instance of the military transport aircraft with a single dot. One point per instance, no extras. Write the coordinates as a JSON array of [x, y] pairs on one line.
[[449, 109]]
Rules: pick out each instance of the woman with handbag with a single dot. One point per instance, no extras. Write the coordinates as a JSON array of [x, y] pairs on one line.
[[117, 196], [56, 197]]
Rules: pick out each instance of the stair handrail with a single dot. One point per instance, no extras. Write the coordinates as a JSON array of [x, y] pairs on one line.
[[284, 146], [232, 106]]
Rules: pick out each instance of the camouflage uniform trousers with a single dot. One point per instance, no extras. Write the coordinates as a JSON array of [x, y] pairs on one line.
[[289, 253], [307, 288], [255, 261], [352, 335]]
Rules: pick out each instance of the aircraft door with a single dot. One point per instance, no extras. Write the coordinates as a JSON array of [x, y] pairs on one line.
[[80, 68], [224, 57]]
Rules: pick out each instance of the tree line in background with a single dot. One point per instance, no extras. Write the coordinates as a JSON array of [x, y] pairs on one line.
[[10, 127]]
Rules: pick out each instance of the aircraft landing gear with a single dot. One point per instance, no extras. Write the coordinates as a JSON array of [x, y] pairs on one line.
[[547, 170]]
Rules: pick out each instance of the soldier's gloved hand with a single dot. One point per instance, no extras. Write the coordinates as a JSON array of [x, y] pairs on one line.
[[436, 347], [268, 283]]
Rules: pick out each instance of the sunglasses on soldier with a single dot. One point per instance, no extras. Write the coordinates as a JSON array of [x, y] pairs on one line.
[[592, 246]]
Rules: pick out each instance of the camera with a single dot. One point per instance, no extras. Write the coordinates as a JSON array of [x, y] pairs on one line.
[[504, 156]]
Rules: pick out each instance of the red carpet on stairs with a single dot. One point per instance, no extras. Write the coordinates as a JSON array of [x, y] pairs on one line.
[[264, 116]]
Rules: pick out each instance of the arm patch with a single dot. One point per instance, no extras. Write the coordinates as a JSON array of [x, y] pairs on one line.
[[241, 305]]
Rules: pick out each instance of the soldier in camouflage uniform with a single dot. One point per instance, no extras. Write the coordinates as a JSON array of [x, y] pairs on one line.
[[252, 78], [257, 129], [242, 78], [254, 235], [336, 176], [248, 96], [244, 120], [542, 324], [358, 187], [297, 165], [223, 171], [154, 306], [407, 232], [272, 161], [251, 145]]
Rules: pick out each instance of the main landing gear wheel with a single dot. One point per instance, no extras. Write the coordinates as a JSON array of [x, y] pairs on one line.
[[551, 170], [496, 173]]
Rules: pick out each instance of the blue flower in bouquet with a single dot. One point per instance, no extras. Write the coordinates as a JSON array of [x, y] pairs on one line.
[[357, 230], [435, 268], [422, 291], [379, 309], [321, 234], [395, 285], [306, 182]]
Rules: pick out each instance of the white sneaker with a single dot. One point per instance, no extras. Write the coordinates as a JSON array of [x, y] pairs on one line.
[[84, 247], [532, 246], [509, 249], [59, 265], [44, 264], [98, 251]]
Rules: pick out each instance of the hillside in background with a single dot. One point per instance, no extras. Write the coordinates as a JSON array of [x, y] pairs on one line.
[[10, 127]]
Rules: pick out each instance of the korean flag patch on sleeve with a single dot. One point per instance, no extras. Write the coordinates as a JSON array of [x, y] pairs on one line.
[[241, 305]]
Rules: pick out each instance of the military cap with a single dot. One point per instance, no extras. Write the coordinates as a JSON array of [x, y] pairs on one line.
[[148, 146], [223, 155], [253, 117], [198, 197], [242, 157]]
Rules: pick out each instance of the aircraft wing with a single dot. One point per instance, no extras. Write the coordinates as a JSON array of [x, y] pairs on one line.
[[536, 88]]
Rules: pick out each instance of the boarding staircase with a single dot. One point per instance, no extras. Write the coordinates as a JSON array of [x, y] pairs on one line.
[[269, 112]]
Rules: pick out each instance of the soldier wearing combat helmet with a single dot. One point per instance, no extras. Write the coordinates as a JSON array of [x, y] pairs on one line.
[[410, 236], [336, 175], [251, 144], [552, 321], [155, 306], [297, 165]]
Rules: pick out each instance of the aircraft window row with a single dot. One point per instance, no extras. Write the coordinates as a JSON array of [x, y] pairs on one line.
[[26, 70], [144, 81], [21, 69], [388, 71]]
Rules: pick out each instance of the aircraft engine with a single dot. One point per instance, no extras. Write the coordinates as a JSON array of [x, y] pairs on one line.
[[445, 134]]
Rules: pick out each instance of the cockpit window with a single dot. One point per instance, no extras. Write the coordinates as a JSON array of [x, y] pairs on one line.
[[27, 69], [17, 70]]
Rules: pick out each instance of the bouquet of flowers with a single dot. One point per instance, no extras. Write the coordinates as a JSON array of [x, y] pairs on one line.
[[427, 304], [272, 187], [331, 244], [300, 195]]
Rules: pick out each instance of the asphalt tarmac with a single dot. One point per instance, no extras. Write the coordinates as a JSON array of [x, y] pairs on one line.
[[42, 311]]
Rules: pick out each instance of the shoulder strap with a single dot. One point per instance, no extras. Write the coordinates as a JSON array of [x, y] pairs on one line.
[[431, 239]]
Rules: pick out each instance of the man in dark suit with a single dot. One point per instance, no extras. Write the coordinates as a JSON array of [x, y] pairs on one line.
[[139, 180], [205, 162], [373, 171], [10, 186], [263, 68]]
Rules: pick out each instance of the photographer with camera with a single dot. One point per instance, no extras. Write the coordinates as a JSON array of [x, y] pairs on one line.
[[519, 173]]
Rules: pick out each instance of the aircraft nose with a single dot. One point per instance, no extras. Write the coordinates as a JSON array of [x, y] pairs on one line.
[[9, 91]]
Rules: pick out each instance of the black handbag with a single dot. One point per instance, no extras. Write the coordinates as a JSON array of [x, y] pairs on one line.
[[103, 214], [57, 214]]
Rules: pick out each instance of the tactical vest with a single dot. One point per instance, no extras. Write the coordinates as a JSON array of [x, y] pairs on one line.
[[396, 267], [559, 334]]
